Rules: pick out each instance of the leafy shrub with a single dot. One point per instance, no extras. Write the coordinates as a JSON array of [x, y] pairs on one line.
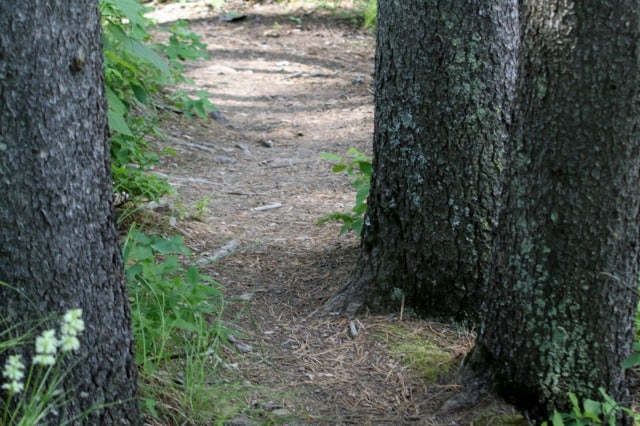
[[171, 302], [177, 328], [136, 72], [358, 169]]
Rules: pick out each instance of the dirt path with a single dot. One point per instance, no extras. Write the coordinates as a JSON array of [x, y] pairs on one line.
[[292, 81]]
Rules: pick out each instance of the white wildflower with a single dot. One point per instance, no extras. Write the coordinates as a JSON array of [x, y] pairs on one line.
[[13, 368], [69, 343], [14, 371], [44, 359], [13, 386], [72, 323], [47, 343]]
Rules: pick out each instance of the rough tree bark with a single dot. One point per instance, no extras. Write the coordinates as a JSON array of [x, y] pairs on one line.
[[58, 241], [563, 298], [445, 75]]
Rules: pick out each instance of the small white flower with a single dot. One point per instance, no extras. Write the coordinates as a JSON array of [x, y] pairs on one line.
[[72, 323], [44, 359], [47, 343], [13, 368], [13, 386], [69, 343]]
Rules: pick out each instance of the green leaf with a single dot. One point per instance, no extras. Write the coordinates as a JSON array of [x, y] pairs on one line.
[[150, 406], [365, 167], [331, 157], [131, 9], [114, 102], [631, 361], [361, 195], [360, 209], [137, 49], [557, 420], [334, 217], [592, 409], [357, 226], [192, 276], [184, 325], [338, 168], [140, 93], [574, 400], [174, 244], [354, 152], [140, 253], [117, 123]]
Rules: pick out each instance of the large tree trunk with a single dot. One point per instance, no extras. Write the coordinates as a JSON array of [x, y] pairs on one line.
[[58, 241], [563, 298], [445, 74]]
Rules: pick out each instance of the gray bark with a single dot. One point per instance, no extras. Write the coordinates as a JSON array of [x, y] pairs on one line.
[[445, 75], [563, 299], [58, 241]]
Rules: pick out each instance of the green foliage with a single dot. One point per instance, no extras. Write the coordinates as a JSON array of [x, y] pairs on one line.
[[591, 412], [366, 13], [175, 308], [634, 359], [358, 168], [369, 11], [136, 71], [175, 316], [171, 301]]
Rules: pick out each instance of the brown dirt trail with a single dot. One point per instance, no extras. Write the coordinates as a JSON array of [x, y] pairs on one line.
[[292, 80]]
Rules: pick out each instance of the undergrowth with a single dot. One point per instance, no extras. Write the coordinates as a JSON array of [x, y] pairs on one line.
[[138, 75], [176, 313], [357, 167], [175, 308]]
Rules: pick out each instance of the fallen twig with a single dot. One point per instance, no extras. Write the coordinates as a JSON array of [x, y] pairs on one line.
[[267, 207]]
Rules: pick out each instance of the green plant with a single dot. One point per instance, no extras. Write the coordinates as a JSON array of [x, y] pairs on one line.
[[175, 316], [591, 412], [201, 208], [358, 168], [136, 73], [369, 11], [196, 212], [171, 301]]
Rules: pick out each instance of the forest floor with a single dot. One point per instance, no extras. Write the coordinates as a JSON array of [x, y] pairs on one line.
[[292, 80]]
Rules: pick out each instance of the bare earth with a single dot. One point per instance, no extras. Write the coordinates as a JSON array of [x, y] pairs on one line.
[[291, 81]]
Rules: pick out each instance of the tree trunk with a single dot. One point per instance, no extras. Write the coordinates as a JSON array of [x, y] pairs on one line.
[[58, 241], [563, 299], [445, 74]]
